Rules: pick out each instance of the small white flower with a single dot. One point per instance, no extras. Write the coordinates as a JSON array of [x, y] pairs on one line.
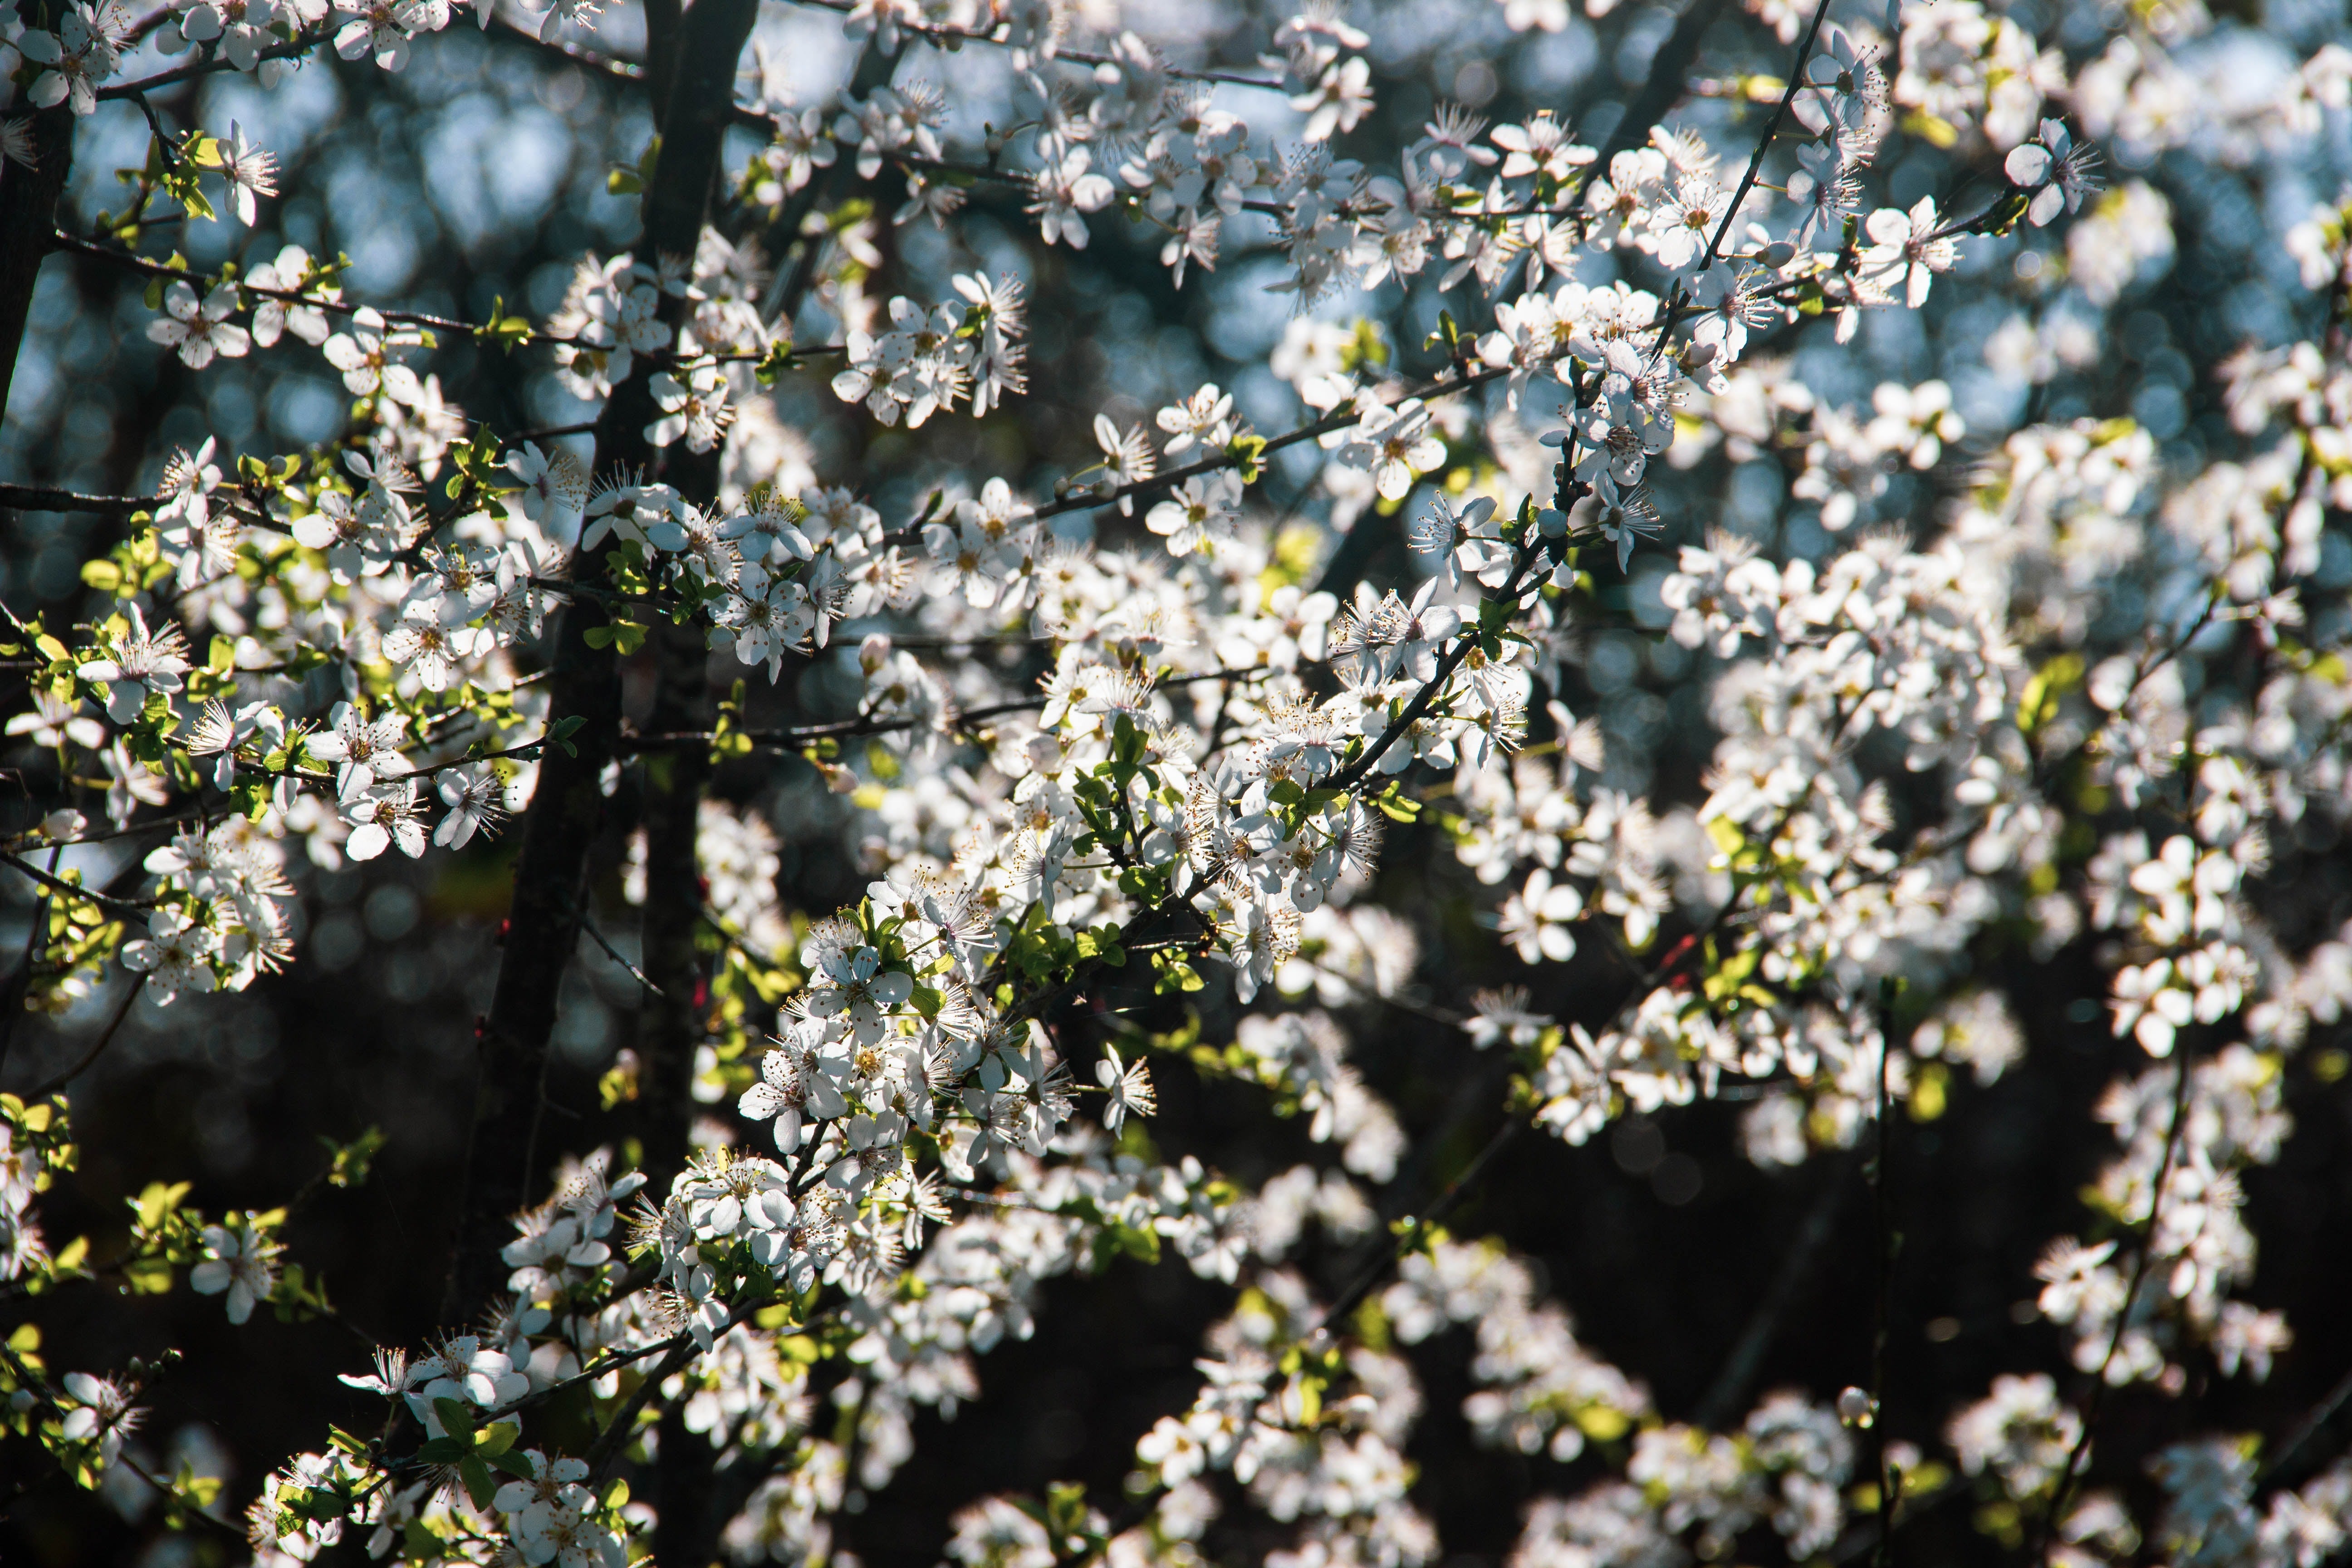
[[1908, 253], [477, 799], [239, 1263], [385, 816], [175, 955], [144, 662], [1129, 1086], [250, 171], [199, 328]]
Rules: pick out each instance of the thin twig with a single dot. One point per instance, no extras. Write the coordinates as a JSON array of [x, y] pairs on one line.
[[953, 35], [43, 1090], [2305, 1430], [2141, 1258], [616, 1436], [610, 951], [1372, 1273], [301, 45], [41, 498], [1723, 1396], [78, 243], [73, 889], [1883, 1238], [20, 982], [1772, 129]]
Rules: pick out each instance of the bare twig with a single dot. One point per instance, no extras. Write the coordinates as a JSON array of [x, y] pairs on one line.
[[1721, 1401], [2142, 1258], [41, 498], [612, 953], [1772, 129], [73, 889], [43, 1090]]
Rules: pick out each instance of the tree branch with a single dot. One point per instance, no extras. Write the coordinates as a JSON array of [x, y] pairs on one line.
[[40, 497]]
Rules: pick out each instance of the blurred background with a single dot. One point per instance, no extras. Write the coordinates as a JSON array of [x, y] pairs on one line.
[[480, 173]]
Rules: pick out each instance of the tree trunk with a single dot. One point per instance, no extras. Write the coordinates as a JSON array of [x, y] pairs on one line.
[[28, 217], [503, 1162]]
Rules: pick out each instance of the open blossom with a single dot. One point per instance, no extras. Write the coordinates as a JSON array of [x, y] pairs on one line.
[[1689, 218], [1205, 416], [1906, 251], [1542, 146], [1468, 543], [141, 663], [477, 801], [883, 373], [1954, 740], [384, 816], [694, 408], [853, 984], [250, 171], [1536, 920], [102, 1412], [238, 1264], [2059, 172], [365, 748], [73, 61], [198, 328], [1127, 1087], [290, 272], [1340, 98], [1198, 512], [1395, 446], [363, 352], [1067, 190], [554, 482], [175, 955]]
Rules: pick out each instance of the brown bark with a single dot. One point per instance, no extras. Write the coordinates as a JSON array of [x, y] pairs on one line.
[[669, 1026], [28, 217], [503, 1170]]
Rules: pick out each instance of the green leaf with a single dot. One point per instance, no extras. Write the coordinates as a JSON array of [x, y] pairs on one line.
[[2039, 704], [480, 1485], [148, 1276], [561, 731], [515, 1464], [455, 1419]]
